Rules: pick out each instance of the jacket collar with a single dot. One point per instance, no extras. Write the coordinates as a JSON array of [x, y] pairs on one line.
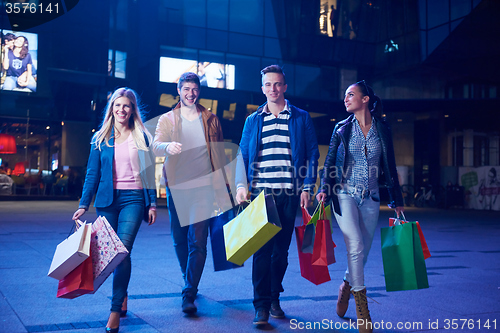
[[205, 114], [289, 107]]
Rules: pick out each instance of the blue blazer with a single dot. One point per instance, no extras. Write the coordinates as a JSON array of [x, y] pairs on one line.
[[99, 178], [303, 142]]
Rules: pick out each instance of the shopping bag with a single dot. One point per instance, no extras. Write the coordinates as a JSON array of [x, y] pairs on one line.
[[309, 232], [323, 249], [313, 273], [322, 213], [71, 252], [217, 240], [425, 248], [403, 259], [107, 251], [249, 231], [79, 281]]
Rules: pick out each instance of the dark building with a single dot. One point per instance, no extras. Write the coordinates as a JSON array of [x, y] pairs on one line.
[[434, 63]]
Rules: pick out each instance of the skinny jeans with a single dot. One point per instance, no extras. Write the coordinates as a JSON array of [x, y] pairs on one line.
[[358, 223], [124, 215]]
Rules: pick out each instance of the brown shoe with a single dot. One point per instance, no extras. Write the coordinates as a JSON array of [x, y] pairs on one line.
[[364, 321], [343, 299]]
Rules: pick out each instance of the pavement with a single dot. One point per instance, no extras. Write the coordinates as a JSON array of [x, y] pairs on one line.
[[463, 273]]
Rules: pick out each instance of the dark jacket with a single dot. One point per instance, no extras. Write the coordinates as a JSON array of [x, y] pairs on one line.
[[303, 142], [388, 175], [99, 178]]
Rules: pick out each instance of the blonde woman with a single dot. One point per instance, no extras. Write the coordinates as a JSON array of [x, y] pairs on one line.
[[120, 172]]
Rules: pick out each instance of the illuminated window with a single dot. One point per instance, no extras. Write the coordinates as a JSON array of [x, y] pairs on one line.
[[117, 64]]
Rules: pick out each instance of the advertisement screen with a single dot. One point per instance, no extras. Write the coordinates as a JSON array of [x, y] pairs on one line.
[[19, 58], [213, 75]]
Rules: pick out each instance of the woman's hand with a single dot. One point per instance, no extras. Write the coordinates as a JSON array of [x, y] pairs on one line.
[[321, 197], [152, 215], [399, 210], [78, 213]]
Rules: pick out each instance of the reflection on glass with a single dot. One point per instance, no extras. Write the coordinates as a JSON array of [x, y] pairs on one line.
[[212, 74]]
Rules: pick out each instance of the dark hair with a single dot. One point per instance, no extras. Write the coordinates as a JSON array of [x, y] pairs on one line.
[[8, 36], [188, 77], [375, 103], [24, 49], [273, 69]]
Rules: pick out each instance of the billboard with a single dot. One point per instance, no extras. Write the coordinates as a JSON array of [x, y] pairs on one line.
[[212, 74], [19, 61]]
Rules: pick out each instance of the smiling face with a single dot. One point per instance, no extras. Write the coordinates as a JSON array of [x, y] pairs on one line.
[[354, 99], [189, 93], [122, 110], [274, 87], [19, 42]]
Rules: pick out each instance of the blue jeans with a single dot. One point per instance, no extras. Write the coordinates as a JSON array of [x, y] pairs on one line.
[[271, 260], [190, 241], [125, 215], [11, 83], [357, 223]]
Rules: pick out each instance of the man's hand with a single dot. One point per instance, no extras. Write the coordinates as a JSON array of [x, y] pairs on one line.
[[241, 195], [174, 148], [305, 199]]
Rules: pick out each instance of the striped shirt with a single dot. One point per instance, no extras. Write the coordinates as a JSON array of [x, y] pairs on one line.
[[363, 158], [274, 161]]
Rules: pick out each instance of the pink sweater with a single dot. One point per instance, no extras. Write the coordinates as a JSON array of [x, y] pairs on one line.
[[126, 166]]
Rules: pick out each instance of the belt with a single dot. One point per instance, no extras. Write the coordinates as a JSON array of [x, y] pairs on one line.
[[355, 191]]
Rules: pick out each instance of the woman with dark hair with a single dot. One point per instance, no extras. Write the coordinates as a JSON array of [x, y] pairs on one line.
[[120, 172], [19, 66], [360, 158]]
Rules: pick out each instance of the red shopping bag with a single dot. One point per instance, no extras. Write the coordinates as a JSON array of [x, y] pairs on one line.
[[79, 281], [309, 232], [323, 250], [315, 274], [425, 248]]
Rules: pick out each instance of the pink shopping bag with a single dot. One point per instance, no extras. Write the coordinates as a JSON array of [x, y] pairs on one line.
[[107, 251]]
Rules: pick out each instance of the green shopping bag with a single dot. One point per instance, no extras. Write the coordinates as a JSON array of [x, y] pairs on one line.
[[403, 258], [251, 229], [325, 213]]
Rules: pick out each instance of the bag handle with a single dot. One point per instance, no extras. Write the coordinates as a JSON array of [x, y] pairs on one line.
[[316, 209], [397, 220], [322, 213], [402, 214], [76, 226], [305, 213]]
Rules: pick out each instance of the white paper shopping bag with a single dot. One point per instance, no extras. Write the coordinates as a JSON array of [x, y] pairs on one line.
[[71, 252]]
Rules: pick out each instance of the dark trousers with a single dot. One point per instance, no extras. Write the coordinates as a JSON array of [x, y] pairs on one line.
[[190, 244], [271, 261]]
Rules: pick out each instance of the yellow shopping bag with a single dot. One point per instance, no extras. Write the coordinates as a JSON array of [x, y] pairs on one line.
[[251, 229]]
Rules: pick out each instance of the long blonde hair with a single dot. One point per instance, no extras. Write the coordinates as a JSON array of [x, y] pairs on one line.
[[135, 122]]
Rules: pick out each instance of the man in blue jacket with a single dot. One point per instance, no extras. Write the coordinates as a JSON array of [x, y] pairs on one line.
[[280, 153]]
